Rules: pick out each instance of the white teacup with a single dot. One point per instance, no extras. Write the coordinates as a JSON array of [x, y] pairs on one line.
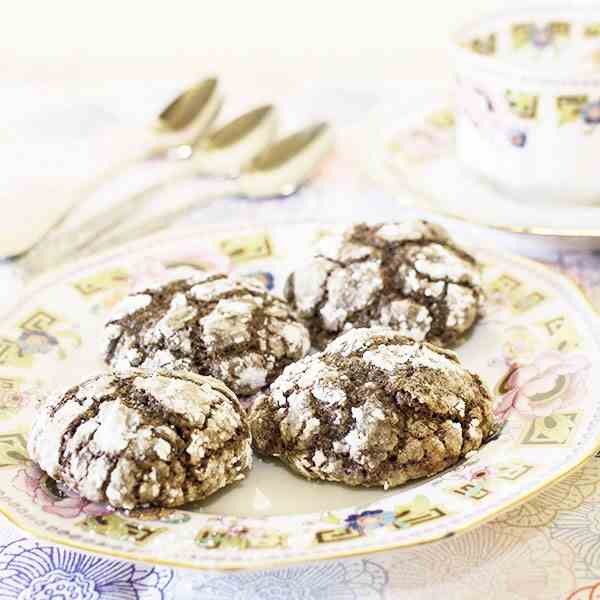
[[528, 99]]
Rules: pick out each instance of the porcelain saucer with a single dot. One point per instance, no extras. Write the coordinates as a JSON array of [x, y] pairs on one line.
[[414, 150]]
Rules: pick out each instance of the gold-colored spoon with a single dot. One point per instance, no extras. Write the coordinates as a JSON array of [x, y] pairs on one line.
[[180, 126], [223, 152], [278, 171], [186, 120]]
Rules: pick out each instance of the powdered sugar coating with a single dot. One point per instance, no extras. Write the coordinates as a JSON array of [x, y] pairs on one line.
[[408, 276], [139, 438], [211, 324], [374, 408], [131, 304]]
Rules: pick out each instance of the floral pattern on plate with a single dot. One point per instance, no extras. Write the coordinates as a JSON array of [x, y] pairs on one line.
[[550, 428]]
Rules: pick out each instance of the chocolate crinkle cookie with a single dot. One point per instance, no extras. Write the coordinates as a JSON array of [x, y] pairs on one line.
[[137, 438], [232, 329], [408, 276], [374, 408]]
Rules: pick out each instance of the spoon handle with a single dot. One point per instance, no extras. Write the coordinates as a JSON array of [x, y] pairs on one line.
[[56, 247], [80, 194], [85, 191], [160, 221]]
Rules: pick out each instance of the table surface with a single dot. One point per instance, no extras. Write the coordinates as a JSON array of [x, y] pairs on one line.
[[547, 548]]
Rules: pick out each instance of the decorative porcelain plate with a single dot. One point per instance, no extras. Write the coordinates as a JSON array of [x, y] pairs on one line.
[[412, 148], [535, 348]]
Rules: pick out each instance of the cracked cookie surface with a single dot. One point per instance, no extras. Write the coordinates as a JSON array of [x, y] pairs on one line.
[[232, 329], [408, 276], [374, 408], [137, 438]]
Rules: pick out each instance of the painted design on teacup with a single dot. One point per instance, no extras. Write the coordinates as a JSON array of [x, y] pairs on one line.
[[441, 119], [537, 36], [497, 116], [590, 113], [592, 30], [522, 105], [573, 109], [517, 137], [476, 103], [484, 45]]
